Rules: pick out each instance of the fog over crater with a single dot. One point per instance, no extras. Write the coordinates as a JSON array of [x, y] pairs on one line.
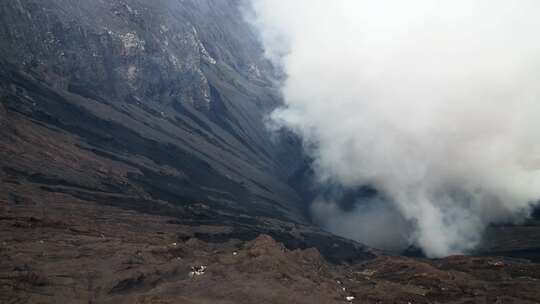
[[433, 103]]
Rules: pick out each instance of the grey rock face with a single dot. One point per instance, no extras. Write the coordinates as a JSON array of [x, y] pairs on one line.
[[177, 91]]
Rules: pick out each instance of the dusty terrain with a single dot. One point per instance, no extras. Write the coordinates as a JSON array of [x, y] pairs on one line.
[[62, 250]]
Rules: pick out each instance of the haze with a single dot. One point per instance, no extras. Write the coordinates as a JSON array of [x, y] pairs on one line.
[[433, 103]]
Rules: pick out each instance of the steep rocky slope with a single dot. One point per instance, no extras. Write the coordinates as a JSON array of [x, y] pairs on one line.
[[158, 102], [153, 106]]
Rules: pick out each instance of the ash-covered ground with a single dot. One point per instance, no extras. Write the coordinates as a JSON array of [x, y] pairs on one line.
[[57, 249]]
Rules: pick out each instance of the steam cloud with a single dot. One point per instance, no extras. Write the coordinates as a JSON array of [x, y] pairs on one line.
[[433, 103]]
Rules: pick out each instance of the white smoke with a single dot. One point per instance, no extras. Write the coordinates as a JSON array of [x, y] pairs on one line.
[[434, 103], [373, 222]]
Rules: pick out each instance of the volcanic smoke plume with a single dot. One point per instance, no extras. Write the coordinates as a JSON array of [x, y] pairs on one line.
[[433, 103]]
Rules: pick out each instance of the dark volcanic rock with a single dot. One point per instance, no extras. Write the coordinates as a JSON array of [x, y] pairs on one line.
[[156, 100], [153, 106]]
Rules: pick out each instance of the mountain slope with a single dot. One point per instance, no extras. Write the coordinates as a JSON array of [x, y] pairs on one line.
[[169, 97], [153, 106]]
